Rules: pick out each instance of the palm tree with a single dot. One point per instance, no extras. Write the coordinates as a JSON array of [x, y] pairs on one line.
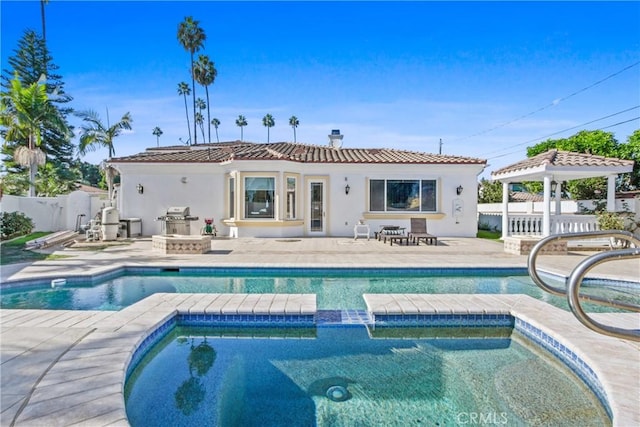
[[205, 74], [25, 112], [242, 122], [42, 17], [200, 105], [200, 122], [215, 122], [184, 90], [157, 132], [192, 38], [294, 122], [268, 122], [95, 134]]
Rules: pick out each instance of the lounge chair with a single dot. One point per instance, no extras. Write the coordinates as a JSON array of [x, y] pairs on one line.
[[419, 232]]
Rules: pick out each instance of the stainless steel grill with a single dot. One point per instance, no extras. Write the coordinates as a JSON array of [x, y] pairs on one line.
[[177, 220]]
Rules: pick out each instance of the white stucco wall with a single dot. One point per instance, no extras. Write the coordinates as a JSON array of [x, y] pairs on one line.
[[202, 188], [55, 213]]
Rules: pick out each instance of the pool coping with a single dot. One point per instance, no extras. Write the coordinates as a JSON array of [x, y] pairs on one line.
[[84, 382]]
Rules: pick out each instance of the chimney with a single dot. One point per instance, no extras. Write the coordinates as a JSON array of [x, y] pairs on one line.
[[335, 139]]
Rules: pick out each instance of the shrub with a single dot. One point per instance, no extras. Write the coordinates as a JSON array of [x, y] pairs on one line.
[[14, 224]]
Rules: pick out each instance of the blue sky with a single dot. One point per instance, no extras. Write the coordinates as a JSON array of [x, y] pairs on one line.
[[488, 78]]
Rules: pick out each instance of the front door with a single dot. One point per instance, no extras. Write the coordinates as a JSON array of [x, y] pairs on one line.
[[316, 224]]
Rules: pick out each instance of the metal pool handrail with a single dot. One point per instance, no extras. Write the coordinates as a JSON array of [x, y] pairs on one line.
[[572, 291]]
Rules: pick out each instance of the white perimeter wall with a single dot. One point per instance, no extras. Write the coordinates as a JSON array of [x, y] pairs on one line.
[[55, 213]]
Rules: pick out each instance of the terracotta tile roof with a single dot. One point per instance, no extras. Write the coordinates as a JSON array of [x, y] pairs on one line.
[[563, 159], [303, 153]]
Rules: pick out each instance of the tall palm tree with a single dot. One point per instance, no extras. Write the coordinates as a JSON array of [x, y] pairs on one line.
[[215, 122], [294, 122], [205, 74], [192, 38], [25, 111], [42, 17], [268, 122], [157, 132], [200, 105], [200, 122], [184, 90], [94, 134], [241, 121]]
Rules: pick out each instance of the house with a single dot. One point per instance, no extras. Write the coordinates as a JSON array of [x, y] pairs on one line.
[[288, 189]]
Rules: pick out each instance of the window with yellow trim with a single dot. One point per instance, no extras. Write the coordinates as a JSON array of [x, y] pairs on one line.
[[259, 195]]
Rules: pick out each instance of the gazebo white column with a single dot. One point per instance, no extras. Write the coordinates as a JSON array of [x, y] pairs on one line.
[[546, 208], [505, 210], [558, 198], [611, 193]]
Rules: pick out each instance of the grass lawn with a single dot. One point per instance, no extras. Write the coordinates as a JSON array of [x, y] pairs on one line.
[[12, 251], [491, 235]]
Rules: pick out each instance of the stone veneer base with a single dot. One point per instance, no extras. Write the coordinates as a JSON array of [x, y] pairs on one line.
[[522, 245], [179, 244]]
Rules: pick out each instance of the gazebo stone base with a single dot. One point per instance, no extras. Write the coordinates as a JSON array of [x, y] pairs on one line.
[[180, 244], [522, 245]]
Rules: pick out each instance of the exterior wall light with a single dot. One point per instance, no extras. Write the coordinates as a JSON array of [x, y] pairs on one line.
[[347, 189], [140, 188], [459, 190]]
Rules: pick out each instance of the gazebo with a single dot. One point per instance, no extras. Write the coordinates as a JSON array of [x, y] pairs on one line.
[[554, 167]]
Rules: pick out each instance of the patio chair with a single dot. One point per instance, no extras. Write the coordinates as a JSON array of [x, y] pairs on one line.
[[419, 232]]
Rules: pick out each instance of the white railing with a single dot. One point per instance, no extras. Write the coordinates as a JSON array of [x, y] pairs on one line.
[[524, 225], [563, 224], [531, 224]]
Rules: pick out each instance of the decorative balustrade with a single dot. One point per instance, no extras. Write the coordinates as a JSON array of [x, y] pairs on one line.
[[525, 225], [563, 224], [531, 224]]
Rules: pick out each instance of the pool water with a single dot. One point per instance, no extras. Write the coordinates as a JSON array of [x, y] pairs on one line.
[[334, 290], [341, 376]]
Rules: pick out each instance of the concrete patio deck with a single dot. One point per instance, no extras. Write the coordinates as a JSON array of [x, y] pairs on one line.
[[67, 368]]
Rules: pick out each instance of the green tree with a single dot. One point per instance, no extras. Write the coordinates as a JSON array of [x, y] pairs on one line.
[[192, 39], [241, 122], [31, 60], [631, 151], [24, 113], [294, 123], [215, 122], [185, 90], [599, 143], [95, 134], [268, 122], [157, 132], [200, 122], [205, 74], [201, 106], [489, 191], [90, 174], [50, 183]]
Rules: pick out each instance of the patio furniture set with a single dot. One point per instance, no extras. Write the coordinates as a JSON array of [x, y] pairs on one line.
[[398, 234]]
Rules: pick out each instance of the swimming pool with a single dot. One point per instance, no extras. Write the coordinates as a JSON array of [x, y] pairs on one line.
[[347, 375], [334, 288]]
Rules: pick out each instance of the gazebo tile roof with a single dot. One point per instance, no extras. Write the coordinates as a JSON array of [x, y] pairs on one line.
[[563, 159], [303, 153]]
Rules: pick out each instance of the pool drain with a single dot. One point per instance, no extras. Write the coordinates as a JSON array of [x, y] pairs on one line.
[[338, 393]]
